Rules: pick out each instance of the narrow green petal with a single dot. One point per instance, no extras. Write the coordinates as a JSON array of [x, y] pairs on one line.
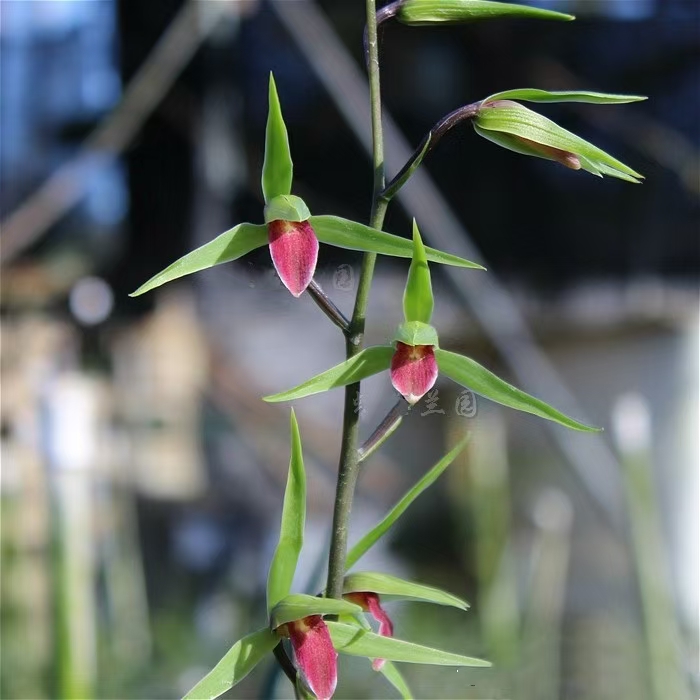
[[366, 363], [352, 235], [298, 606], [368, 541], [394, 676], [418, 295], [236, 664], [230, 245], [286, 556], [348, 639], [277, 166], [535, 95], [420, 12], [393, 588], [472, 375], [523, 122]]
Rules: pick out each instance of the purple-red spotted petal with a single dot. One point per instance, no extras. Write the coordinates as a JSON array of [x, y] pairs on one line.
[[369, 602], [414, 370], [314, 655], [294, 251]]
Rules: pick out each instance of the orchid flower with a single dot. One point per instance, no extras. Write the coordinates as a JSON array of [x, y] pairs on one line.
[[290, 231], [415, 359]]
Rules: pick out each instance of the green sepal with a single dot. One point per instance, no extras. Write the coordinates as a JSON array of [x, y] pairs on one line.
[[349, 639], [416, 333], [235, 665], [287, 207], [277, 166], [503, 125], [286, 556], [535, 95], [228, 246], [379, 530], [420, 12], [298, 606], [418, 299], [352, 235], [395, 677], [473, 376], [366, 363], [393, 588]]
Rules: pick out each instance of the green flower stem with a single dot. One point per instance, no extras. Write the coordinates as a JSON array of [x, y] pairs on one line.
[[324, 302], [384, 430], [348, 468], [428, 143]]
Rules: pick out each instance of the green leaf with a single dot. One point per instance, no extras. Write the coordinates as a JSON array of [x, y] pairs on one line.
[[277, 166], [366, 363], [299, 605], [393, 588], [230, 245], [519, 121], [534, 95], [286, 556], [472, 375], [368, 541], [393, 675], [348, 639], [352, 235], [418, 295], [419, 12], [236, 664]]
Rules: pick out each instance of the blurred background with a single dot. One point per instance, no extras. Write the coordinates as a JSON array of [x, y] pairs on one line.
[[142, 476]]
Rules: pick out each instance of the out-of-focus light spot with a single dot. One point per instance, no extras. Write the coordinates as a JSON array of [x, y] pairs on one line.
[[632, 423], [91, 301]]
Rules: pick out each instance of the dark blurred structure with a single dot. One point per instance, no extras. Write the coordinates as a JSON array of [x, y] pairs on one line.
[[134, 444]]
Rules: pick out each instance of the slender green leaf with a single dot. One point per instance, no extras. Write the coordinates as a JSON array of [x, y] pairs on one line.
[[299, 605], [393, 588], [472, 375], [352, 235], [519, 121], [366, 542], [418, 296], [277, 166], [366, 363], [286, 556], [236, 664], [394, 676], [419, 12], [535, 95], [348, 639], [230, 245]]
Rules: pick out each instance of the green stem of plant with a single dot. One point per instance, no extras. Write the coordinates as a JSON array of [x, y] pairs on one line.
[[348, 468]]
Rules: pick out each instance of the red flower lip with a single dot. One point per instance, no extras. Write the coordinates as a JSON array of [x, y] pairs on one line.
[[294, 251], [314, 654], [414, 370], [369, 602]]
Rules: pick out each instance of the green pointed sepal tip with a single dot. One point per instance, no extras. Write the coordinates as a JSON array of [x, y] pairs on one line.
[[277, 166], [287, 207], [418, 299]]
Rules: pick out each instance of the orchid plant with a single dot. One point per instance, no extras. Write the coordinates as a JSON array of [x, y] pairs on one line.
[[306, 632]]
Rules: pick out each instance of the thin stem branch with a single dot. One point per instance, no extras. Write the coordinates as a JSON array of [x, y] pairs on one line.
[[325, 303], [384, 430], [348, 468], [430, 140]]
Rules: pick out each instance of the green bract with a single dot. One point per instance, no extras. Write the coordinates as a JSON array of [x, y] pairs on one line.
[[519, 129], [286, 556], [299, 606], [535, 95], [418, 12], [416, 333], [393, 588], [418, 295]]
